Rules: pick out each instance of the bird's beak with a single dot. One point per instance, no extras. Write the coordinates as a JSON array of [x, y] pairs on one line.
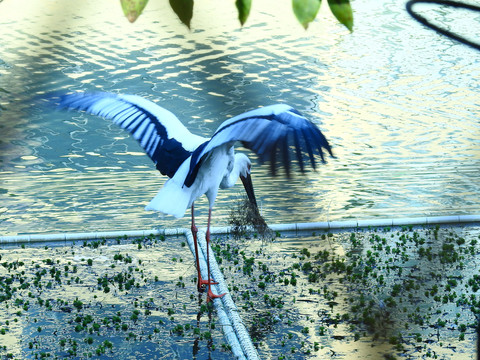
[[247, 183]]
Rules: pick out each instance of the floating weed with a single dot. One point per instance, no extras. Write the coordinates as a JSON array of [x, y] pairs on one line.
[[77, 301], [415, 290], [373, 287], [244, 215]]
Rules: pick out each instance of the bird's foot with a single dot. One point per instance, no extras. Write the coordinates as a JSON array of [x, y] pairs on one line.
[[211, 296]]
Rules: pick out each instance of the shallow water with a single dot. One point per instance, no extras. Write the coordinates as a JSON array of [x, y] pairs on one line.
[[398, 103], [383, 293]]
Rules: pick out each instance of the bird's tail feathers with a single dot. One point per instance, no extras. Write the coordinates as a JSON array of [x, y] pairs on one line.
[[171, 199]]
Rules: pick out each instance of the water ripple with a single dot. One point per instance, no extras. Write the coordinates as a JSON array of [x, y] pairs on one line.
[[399, 104]]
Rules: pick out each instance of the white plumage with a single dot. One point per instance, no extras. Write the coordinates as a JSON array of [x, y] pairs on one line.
[[197, 165]]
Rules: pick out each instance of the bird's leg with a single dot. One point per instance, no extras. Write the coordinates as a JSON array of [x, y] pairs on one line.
[[200, 281], [210, 294]]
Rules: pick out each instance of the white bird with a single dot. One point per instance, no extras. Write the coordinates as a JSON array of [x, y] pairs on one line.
[[197, 165]]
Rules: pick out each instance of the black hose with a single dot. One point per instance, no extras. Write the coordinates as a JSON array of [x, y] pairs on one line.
[[439, 30]]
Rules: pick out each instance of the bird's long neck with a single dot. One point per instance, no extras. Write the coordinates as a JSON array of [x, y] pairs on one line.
[[231, 176]]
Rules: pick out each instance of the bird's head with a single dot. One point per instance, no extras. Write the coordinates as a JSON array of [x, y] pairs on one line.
[[243, 163]]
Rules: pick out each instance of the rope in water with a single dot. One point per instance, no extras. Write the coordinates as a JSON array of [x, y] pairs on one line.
[[233, 327]]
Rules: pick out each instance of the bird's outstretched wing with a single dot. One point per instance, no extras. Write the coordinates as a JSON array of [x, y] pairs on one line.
[[271, 132], [163, 137]]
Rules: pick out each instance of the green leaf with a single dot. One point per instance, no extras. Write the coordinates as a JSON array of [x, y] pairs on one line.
[[342, 11], [183, 9], [306, 10], [133, 8], [243, 7]]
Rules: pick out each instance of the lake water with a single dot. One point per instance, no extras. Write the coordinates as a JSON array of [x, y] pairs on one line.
[[398, 102]]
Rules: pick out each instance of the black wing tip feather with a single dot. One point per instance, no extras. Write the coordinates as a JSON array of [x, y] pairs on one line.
[[166, 153], [278, 155], [67, 100], [79, 100], [58, 100], [306, 140], [309, 142]]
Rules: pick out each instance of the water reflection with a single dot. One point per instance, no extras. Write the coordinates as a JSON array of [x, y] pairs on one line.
[[399, 105]]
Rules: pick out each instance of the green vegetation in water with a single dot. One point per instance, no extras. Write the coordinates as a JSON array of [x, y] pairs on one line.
[[101, 299], [386, 293]]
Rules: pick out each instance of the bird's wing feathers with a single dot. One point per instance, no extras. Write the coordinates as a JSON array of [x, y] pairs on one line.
[[269, 131], [163, 137]]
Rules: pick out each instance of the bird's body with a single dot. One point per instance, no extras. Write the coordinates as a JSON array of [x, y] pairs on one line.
[[197, 165], [218, 171]]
